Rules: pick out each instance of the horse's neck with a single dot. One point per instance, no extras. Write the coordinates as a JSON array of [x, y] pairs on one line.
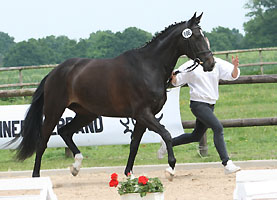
[[164, 53]]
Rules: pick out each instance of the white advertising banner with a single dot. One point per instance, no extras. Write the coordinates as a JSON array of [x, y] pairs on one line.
[[102, 131]]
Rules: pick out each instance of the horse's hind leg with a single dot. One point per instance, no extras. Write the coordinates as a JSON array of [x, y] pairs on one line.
[[50, 121], [67, 131]]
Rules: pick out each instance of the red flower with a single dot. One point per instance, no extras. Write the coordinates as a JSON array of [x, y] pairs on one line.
[[113, 183], [143, 180], [114, 176]]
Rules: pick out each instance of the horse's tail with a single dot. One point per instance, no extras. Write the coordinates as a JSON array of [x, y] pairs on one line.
[[31, 131]]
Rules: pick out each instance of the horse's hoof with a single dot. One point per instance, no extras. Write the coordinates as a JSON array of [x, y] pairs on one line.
[[131, 175], [74, 170], [169, 173]]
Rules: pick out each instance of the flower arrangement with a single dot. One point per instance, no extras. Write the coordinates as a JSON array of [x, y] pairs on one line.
[[141, 185]]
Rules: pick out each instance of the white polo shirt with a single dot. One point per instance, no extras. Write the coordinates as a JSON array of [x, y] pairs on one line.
[[204, 85]]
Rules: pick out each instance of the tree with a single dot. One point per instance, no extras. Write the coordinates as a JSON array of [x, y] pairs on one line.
[[222, 38], [106, 44], [26, 53], [81, 48], [258, 7], [133, 37], [101, 44], [6, 42], [260, 30], [60, 48], [49, 50]]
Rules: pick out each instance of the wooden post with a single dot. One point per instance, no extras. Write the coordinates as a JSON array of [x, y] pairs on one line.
[[227, 56], [203, 146], [68, 153], [20, 77], [261, 61]]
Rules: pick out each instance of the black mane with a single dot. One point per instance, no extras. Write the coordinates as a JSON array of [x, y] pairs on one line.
[[157, 35]]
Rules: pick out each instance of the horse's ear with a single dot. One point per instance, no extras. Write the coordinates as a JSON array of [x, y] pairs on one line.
[[197, 20], [194, 16], [192, 20]]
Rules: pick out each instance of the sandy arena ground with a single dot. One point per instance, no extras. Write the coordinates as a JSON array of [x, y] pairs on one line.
[[207, 182]]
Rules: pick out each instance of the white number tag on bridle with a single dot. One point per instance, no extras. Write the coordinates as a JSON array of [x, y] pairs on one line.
[[187, 33]]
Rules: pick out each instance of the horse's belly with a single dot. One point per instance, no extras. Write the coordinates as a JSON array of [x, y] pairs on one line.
[[101, 104]]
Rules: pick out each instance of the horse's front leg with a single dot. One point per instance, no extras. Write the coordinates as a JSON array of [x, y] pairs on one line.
[[149, 120], [135, 141]]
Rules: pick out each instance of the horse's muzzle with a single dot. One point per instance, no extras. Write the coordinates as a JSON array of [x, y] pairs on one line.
[[208, 68]]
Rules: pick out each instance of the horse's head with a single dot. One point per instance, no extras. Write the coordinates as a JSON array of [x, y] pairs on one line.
[[195, 45]]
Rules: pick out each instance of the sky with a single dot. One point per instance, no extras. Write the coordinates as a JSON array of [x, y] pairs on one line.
[[25, 19]]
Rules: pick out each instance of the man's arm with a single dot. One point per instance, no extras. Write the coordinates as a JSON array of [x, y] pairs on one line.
[[235, 62]]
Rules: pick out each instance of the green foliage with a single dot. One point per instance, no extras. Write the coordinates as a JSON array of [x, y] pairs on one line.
[[102, 44], [49, 50], [105, 44], [262, 27], [25, 53], [133, 186], [54, 50], [257, 7], [6, 42], [133, 38], [59, 48], [222, 39]]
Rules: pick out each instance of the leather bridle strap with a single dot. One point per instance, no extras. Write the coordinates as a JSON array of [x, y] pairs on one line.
[[195, 64], [196, 54]]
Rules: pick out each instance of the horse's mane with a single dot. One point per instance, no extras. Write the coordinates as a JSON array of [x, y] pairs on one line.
[[157, 35]]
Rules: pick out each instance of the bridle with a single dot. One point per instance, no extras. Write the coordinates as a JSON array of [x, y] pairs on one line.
[[196, 61], [196, 54]]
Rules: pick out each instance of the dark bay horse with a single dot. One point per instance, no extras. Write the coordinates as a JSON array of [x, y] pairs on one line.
[[130, 85]]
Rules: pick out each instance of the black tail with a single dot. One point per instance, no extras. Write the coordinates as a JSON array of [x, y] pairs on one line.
[[31, 131]]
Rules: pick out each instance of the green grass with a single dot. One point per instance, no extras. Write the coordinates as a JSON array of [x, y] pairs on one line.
[[236, 101], [29, 75]]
